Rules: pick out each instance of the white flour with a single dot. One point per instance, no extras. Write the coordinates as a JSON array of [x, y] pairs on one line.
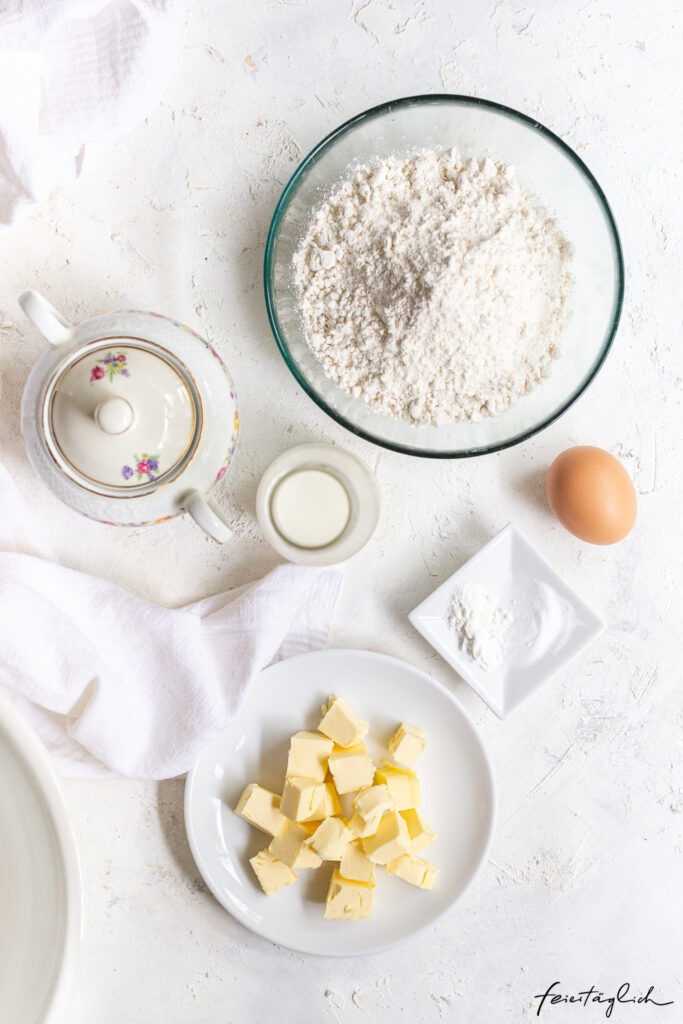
[[479, 624], [434, 289]]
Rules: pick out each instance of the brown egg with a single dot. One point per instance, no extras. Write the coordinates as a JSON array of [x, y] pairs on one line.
[[592, 495]]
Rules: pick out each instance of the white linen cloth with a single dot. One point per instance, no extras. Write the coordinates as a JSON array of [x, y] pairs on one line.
[[71, 72], [115, 685]]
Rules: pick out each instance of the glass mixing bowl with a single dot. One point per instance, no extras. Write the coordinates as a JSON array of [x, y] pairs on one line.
[[548, 169]]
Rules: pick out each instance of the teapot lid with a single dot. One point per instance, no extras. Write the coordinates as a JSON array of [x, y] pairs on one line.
[[122, 416]]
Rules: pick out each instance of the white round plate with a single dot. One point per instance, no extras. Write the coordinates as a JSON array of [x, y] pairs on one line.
[[41, 908], [457, 797]]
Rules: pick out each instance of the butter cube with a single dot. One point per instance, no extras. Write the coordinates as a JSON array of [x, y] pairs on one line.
[[301, 798], [407, 744], [351, 768], [348, 900], [389, 841], [308, 754], [288, 845], [414, 870], [362, 828], [420, 831], [331, 838], [355, 865], [373, 802], [340, 723], [261, 808], [307, 858], [271, 872], [403, 785], [328, 804]]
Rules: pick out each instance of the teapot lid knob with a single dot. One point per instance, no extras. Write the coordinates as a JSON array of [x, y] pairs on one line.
[[114, 415]]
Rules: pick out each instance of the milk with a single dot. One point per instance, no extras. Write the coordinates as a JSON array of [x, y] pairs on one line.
[[310, 508]]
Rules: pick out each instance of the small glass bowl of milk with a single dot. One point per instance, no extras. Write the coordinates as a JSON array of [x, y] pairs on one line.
[[317, 504]]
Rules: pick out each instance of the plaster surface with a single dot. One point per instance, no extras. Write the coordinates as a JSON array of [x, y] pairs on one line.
[[584, 881]]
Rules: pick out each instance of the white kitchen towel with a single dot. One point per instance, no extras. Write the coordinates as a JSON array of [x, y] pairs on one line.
[[119, 686], [72, 72]]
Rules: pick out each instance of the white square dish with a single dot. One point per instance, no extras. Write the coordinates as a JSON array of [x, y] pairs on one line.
[[550, 623]]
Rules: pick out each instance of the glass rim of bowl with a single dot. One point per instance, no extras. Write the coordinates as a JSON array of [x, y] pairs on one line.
[[269, 259]]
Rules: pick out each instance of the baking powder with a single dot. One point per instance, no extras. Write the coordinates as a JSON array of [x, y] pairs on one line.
[[479, 624]]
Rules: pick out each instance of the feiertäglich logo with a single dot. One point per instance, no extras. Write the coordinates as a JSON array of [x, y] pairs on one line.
[[592, 995]]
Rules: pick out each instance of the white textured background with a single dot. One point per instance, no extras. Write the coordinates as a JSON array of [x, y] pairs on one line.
[[584, 884]]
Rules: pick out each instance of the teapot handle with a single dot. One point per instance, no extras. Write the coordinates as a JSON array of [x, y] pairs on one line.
[[206, 515], [45, 317]]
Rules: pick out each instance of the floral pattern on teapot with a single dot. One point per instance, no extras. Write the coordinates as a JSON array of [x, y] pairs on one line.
[[109, 367], [144, 466]]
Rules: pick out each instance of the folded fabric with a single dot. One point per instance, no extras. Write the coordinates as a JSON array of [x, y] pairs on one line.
[[119, 686], [71, 72]]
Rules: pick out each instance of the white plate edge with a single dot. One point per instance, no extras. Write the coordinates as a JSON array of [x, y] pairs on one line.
[[32, 750]]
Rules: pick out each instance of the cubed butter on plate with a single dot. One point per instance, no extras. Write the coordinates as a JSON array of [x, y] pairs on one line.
[[407, 744], [348, 900], [307, 858], [308, 754], [351, 768], [328, 804], [373, 802], [341, 724], [309, 825], [288, 846], [403, 785], [355, 865], [331, 838], [389, 841], [420, 831], [301, 798], [414, 870], [261, 808], [271, 872], [362, 828]]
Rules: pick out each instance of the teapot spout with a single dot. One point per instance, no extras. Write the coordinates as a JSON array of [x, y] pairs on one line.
[[46, 319]]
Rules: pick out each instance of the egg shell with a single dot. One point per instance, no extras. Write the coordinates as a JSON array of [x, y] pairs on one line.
[[592, 495]]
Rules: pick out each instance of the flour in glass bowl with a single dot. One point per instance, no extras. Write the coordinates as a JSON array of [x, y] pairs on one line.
[[434, 289]]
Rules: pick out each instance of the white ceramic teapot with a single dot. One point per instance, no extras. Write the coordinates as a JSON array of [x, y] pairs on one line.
[[129, 417]]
